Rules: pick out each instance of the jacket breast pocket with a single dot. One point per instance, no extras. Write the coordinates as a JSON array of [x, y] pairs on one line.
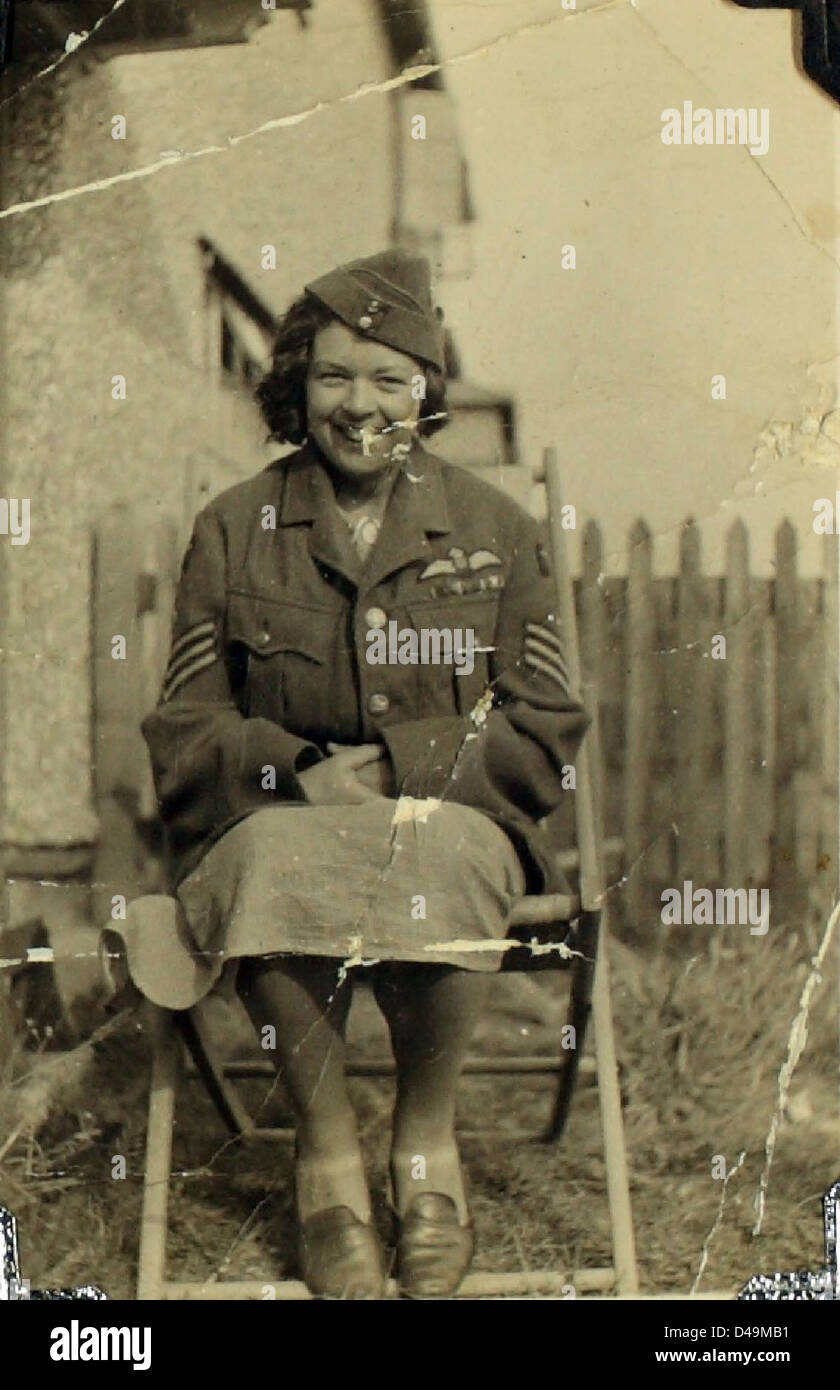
[[457, 640], [280, 655]]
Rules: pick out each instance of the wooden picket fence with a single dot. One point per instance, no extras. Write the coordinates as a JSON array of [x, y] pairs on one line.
[[721, 771]]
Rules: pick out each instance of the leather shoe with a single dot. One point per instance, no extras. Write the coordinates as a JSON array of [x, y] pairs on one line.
[[340, 1256], [434, 1251]]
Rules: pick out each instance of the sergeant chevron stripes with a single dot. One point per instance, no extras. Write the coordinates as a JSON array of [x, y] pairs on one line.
[[544, 653], [192, 652]]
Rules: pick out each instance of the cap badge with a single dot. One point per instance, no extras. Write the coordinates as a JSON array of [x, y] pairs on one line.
[[366, 320]]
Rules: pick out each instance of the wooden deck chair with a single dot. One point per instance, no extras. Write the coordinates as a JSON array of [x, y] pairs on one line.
[[555, 931]]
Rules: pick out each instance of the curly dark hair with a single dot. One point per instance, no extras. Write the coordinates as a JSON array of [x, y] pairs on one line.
[[282, 392]]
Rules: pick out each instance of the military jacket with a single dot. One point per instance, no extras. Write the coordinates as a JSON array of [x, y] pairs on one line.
[[272, 630]]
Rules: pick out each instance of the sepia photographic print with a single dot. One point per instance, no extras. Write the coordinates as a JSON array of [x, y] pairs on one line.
[[419, 676]]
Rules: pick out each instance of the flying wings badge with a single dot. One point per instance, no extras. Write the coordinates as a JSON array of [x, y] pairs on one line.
[[459, 562]]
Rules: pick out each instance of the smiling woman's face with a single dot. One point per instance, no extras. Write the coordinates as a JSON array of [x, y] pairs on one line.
[[359, 403]]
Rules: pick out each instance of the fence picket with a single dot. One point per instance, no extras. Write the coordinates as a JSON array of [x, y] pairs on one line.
[[693, 723], [736, 673], [158, 587], [638, 710], [786, 612], [828, 733], [120, 760], [591, 616]]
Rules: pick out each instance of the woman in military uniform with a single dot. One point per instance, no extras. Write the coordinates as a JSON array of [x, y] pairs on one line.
[[326, 809]]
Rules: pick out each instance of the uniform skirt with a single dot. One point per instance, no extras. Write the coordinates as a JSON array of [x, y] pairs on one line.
[[405, 880]]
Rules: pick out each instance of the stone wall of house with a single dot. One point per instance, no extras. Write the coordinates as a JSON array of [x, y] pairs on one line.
[[109, 283]]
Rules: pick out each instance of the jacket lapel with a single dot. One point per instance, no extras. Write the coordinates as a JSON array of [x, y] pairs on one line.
[[308, 496], [417, 506]]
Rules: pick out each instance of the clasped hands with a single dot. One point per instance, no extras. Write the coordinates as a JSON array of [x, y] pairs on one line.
[[352, 774]]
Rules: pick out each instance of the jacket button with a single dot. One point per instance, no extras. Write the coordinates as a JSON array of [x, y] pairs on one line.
[[376, 617], [265, 636], [379, 704]]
